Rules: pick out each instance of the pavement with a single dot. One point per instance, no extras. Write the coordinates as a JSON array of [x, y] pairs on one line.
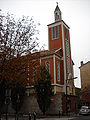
[[26, 117], [69, 117], [61, 118]]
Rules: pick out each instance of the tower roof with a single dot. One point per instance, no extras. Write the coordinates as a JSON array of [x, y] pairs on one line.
[[57, 8], [57, 13]]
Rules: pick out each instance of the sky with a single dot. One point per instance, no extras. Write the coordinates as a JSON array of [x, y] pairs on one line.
[[75, 13]]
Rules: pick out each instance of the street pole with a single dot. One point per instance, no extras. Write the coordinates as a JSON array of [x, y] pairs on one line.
[[70, 78], [17, 106], [66, 97], [7, 100]]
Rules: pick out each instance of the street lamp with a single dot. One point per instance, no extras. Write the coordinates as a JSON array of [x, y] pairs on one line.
[[69, 78], [17, 106], [7, 99]]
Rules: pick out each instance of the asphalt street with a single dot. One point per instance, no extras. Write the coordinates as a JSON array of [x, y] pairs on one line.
[[85, 117]]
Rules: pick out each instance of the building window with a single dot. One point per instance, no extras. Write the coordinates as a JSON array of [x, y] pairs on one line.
[[34, 72], [68, 56], [55, 32], [58, 71], [47, 65], [66, 33], [67, 51]]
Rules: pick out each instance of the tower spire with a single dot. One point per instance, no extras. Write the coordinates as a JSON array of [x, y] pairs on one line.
[[57, 13]]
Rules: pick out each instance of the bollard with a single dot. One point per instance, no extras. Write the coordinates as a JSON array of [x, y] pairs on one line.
[[34, 115], [29, 116]]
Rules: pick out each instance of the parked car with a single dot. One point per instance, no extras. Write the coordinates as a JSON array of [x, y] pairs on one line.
[[85, 110]]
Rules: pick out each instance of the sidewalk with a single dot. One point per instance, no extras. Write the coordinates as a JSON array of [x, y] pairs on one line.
[[61, 118], [26, 117], [57, 118]]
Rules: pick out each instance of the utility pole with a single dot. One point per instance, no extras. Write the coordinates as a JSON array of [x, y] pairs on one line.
[[69, 78]]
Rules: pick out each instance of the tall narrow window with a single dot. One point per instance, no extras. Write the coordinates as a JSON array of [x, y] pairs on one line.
[[55, 32], [47, 66], [67, 51], [58, 71], [34, 71], [66, 33], [28, 75]]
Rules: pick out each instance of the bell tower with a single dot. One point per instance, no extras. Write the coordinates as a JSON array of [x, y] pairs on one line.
[[55, 31], [59, 38]]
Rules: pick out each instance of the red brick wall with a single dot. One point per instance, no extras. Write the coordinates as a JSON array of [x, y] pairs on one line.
[[56, 43], [72, 101], [50, 59]]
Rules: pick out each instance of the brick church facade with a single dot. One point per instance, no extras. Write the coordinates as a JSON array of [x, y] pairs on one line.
[[58, 61]]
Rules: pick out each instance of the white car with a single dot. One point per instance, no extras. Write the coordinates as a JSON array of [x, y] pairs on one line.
[[85, 110]]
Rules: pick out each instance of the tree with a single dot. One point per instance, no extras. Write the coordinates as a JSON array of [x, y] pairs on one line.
[[17, 97], [43, 89], [18, 37], [2, 95]]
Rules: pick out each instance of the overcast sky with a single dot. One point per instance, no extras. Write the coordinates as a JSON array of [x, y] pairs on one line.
[[75, 13]]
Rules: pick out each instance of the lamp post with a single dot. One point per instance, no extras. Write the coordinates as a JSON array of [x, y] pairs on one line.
[[7, 99], [17, 106], [69, 78]]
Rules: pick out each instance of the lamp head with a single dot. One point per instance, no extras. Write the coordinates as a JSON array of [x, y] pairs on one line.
[[70, 76]]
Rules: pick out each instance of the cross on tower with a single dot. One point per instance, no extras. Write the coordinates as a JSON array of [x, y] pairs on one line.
[[57, 3]]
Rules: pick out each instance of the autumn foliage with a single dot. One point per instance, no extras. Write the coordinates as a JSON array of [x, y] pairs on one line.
[[18, 38]]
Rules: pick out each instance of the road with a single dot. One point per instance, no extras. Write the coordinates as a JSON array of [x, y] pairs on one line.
[[81, 117]]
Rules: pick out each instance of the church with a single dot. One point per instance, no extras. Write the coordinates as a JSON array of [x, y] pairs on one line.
[[59, 62]]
